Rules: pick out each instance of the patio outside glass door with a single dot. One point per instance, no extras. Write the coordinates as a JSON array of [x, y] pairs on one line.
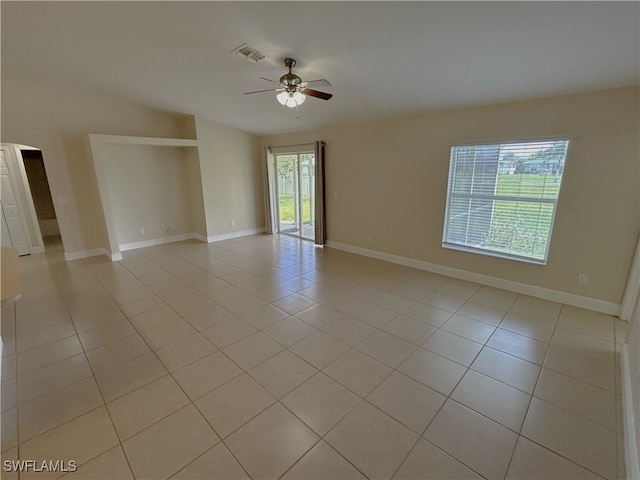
[[296, 194]]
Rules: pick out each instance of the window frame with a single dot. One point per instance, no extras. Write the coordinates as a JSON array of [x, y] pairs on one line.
[[450, 195]]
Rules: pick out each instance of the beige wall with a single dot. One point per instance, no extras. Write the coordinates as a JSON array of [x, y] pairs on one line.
[[391, 179], [231, 178], [149, 189], [56, 119]]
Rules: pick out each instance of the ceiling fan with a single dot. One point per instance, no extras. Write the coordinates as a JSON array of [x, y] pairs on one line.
[[293, 91]]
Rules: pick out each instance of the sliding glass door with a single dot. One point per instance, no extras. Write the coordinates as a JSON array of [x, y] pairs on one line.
[[296, 193]]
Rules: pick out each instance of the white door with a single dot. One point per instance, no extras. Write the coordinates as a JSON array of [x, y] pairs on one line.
[[11, 221]]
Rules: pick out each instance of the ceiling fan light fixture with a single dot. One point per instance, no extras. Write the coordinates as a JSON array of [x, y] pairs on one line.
[[291, 99]]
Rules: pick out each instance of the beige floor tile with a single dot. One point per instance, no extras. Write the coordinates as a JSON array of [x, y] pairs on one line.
[[209, 317], [409, 329], [320, 402], [47, 354], [252, 350], [459, 288], [347, 329], [428, 314], [282, 373], [111, 465], [584, 344], [358, 372], [204, 375], [52, 377], [319, 349], [463, 433], [581, 367], [141, 305], [80, 439], [323, 463], [393, 302], [9, 428], [120, 351], [530, 460], [596, 404], [453, 347], [519, 346], [536, 308], [433, 370], [373, 315], [507, 369], [98, 318], [243, 304], [153, 318], [137, 410], [185, 351], [498, 401], [107, 334], [294, 303], [9, 366], [529, 327], [44, 335], [233, 404], [428, 462], [482, 313], [229, 332], [468, 328], [411, 403], [373, 442], [192, 304], [573, 437], [215, 464], [9, 392], [58, 407], [163, 335], [494, 298], [129, 376], [386, 348], [264, 316], [40, 320], [271, 443], [443, 301], [587, 322], [318, 314], [169, 445], [289, 331]]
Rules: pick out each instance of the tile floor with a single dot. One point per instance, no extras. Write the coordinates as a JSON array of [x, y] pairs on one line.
[[266, 357]]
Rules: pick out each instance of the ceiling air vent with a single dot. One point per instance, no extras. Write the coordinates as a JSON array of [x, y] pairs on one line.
[[249, 53]]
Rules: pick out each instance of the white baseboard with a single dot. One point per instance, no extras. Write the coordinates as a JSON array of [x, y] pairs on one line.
[[632, 462], [237, 234], [69, 256], [545, 293], [156, 241]]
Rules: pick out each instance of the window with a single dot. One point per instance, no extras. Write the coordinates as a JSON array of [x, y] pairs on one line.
[[502, 198]]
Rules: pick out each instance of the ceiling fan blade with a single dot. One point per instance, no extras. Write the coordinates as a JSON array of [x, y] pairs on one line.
[[269, 80], [268, 90], [317, 94], [317, 83]]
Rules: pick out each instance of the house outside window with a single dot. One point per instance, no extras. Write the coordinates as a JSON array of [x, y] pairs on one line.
[[502, 198]]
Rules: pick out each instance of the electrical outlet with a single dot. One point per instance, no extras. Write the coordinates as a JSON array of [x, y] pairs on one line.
[[369, 238], [141, 230], [583, 278], [233, 223]]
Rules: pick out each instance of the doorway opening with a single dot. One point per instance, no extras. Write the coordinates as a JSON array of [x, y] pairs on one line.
[[42, 199], [295, 191]]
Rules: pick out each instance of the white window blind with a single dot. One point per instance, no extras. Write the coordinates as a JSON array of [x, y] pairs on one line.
[[502, 197]]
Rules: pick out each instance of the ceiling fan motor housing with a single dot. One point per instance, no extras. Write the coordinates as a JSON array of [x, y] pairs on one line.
[[290, 80]]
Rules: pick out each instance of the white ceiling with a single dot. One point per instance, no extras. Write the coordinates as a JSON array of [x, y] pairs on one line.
[[384, 59]]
